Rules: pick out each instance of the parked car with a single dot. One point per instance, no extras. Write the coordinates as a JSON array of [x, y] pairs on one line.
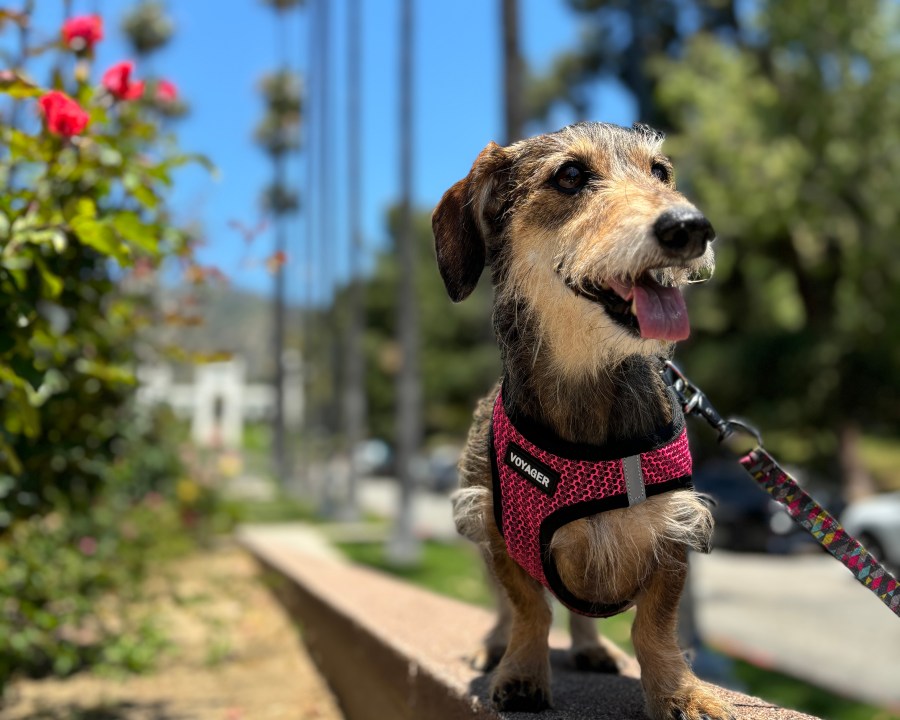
[[747, 518], [875, 522], [441, 475], [373, 457], [741, 510]]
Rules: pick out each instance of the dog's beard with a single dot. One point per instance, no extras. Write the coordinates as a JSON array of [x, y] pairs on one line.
[[655, 310], [648, 302]]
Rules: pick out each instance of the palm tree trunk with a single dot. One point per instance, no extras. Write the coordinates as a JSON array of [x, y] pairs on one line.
[[354, 365], [403, 548], [514, 111]]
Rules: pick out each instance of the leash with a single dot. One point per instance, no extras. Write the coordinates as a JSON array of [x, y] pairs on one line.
[[805, 511]]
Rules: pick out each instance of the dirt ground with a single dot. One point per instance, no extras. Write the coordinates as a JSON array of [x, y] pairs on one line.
[[236, 656]]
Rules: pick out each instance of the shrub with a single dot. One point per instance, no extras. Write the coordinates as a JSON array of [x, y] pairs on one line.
[[92, 491], [84, 221]]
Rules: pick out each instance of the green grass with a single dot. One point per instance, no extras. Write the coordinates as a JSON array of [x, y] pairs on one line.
[[272, 511], [456, 570], [257, 437], [796, 694], [882, 457]]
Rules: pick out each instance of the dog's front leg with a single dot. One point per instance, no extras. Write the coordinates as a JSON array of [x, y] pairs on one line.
[[521, 682], [673, 692], [493, 647]]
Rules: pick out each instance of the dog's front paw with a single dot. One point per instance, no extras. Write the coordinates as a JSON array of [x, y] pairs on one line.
[[692, 703], [679, 714], [520, 695]]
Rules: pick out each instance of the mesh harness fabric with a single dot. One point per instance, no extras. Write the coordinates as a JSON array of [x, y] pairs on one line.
[[542, 483]]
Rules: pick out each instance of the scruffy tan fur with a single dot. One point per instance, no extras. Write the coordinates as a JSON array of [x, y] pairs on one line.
[[571, 366]]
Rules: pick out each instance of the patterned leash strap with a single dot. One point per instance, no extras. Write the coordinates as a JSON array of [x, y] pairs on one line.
[[819, 523], [805, 511]]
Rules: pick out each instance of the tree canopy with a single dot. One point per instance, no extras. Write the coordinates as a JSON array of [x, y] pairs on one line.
[[788, 140]]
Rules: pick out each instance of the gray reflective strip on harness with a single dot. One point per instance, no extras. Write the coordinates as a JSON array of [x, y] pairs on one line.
[[634, 479]]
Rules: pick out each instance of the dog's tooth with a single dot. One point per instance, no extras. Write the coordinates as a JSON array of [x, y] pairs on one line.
[[634, 307]]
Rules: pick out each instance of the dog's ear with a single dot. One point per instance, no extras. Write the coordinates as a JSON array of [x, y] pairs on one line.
[[459, 223]]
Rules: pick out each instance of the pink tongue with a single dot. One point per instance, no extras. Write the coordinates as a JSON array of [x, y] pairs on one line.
[[661, 312]]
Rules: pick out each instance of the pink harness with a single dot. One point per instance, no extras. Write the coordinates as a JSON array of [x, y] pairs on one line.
[[542, 482]]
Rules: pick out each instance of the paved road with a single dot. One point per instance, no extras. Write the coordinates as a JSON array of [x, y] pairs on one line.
[[803, 614], [432, 516]]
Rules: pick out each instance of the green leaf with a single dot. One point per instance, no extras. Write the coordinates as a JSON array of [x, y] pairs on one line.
[[21, 417], [187, 158], [139, 191], [22, 146], [17, 86], [101, 237], [105, 372], [14, 262], [52, 236], [7, 484], [28, 372], [110, 157], [135, 231], [53, 284], [9, 458], [85, 207]]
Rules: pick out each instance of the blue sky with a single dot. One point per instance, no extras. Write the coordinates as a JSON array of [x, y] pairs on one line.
[[222, 48]]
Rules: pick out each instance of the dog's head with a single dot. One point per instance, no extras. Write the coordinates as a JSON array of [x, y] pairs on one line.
[[585, 231]]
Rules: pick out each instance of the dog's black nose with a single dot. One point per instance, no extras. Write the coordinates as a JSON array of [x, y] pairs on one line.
[[683, 232]]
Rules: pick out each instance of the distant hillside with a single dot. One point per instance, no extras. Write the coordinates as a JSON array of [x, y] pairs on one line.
[[233, 321]]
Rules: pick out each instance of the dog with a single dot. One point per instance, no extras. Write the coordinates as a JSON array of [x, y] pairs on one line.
[[588, 244]]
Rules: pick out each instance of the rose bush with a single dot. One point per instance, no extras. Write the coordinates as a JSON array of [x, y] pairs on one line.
[[87, 484]]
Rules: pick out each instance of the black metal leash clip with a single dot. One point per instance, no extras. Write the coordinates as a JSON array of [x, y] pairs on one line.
[[694, 402]]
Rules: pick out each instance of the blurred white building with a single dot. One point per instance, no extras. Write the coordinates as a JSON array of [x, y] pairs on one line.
[[219, 400]]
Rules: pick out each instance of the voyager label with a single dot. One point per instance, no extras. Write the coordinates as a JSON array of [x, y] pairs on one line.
[[543, 477]]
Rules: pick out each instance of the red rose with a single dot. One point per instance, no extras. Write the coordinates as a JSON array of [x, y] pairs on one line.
[[118, 81], [64, 116], [166, 91], [83, 32], [136, 90]]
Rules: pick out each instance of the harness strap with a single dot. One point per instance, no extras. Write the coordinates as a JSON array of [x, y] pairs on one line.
[[634, 480]]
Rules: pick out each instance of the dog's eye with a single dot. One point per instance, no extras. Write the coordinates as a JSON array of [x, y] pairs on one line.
[[570, 178], [660, 172]]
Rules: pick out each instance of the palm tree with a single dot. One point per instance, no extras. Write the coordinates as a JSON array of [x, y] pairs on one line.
[[514, 108], [279, 134], [403, 548], [354, 365]]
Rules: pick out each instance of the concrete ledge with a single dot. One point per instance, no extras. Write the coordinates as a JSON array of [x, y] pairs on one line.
[[392, 651]]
